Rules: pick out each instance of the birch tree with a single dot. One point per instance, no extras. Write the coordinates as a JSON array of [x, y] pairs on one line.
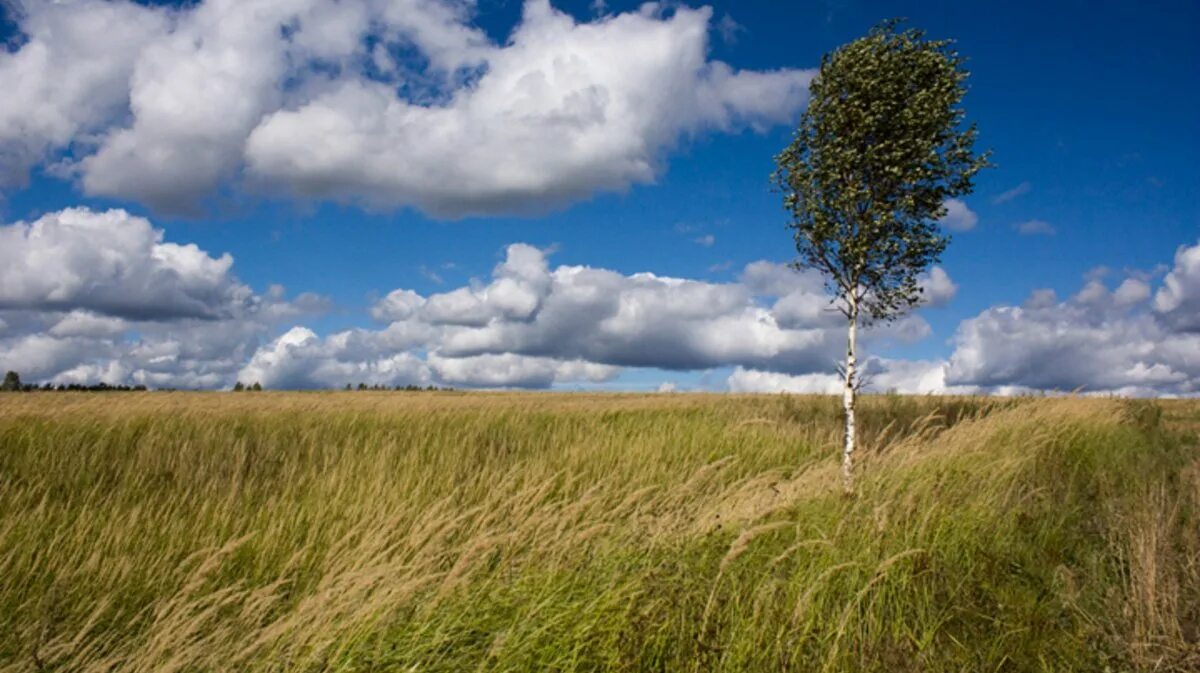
[[881, 147]]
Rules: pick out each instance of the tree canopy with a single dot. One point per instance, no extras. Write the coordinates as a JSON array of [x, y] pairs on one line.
[[879, 150]]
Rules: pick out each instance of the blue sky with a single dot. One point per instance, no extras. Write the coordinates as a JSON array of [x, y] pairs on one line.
[[1089, 109]]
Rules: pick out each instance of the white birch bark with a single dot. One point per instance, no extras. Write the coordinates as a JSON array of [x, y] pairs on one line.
[[848, 400]]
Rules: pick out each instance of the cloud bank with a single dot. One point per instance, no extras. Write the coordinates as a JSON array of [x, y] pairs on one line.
[[386, 103], [89, 296], [100, 296]]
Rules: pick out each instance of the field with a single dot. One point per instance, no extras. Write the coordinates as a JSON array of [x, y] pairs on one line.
[[445, 531]]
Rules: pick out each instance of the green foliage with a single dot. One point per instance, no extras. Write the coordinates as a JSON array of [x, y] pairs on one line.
[[12, 382], [878, 151]]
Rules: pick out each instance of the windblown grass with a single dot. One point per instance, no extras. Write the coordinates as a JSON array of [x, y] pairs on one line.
[[519, 532]]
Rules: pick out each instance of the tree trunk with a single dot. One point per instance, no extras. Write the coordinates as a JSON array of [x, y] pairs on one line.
[[848, 400]]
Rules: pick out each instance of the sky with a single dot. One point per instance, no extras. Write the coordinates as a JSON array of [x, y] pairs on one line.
[[571, 195]]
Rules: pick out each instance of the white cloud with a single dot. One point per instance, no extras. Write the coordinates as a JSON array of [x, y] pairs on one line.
[[938, 288], [1035, 228], [1096, 341], [87, 324], [300, 359], [880, 375], [90, 296], [744, 380], [958, 217], [1010, 194], [195, 94], [70, 78], [772, 314], [1178, 300], [170, 106], [510, 370], [99, 296], [533, 326], [564, 110], [114, 264], [1127, 341]]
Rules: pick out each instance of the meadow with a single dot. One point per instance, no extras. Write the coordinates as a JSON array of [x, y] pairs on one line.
[[444, 531]]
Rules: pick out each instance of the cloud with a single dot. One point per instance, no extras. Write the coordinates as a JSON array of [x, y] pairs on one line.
[[90, 296], [563, 111], [169, 107], [707, 240], [916, 377], [729, 30], [1035, 228], [958, 216], [1009, 195], [510, 370], [1098, 340], [300, 359], [69, 79], [115, 264], [534, 326], [101, 296], [1177, 302], [1129, 341], [938, 289]]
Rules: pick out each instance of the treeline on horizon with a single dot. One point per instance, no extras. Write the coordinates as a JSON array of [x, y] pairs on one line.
[[12, 384]]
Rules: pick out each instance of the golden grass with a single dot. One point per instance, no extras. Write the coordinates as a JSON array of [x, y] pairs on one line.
[[445, 531]]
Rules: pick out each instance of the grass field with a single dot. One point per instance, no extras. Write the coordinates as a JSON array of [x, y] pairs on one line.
[[577, 532]]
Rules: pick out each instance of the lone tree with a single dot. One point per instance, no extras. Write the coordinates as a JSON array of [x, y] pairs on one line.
[[12, 381], [879, 150]]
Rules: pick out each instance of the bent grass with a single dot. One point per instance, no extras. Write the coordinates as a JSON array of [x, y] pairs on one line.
[[513, 532]]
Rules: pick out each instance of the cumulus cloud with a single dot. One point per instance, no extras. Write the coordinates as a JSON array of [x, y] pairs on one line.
[[958, 216], [115, 264], [1177, 302], [170, 106], [509, 369], [300, 359], [563, 110], [90, 296], [534, 326], [70, 78], [101, 296], [1098, 341], [1130, 340], [937, 288], [879, 375]]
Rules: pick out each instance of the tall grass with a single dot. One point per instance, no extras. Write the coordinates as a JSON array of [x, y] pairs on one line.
[[509, 532]]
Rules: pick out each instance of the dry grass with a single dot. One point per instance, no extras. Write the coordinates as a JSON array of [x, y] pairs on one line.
[[447, 532]]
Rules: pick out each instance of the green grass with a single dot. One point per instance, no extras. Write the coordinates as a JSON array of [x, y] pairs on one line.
[[518, 532]]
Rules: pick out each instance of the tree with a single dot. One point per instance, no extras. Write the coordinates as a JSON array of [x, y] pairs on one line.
[[879, 150], [239, 387], [12, 382], [257, 387]]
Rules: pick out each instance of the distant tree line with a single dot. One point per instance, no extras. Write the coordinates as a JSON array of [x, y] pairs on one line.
[[408, 388], [12, 384]]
